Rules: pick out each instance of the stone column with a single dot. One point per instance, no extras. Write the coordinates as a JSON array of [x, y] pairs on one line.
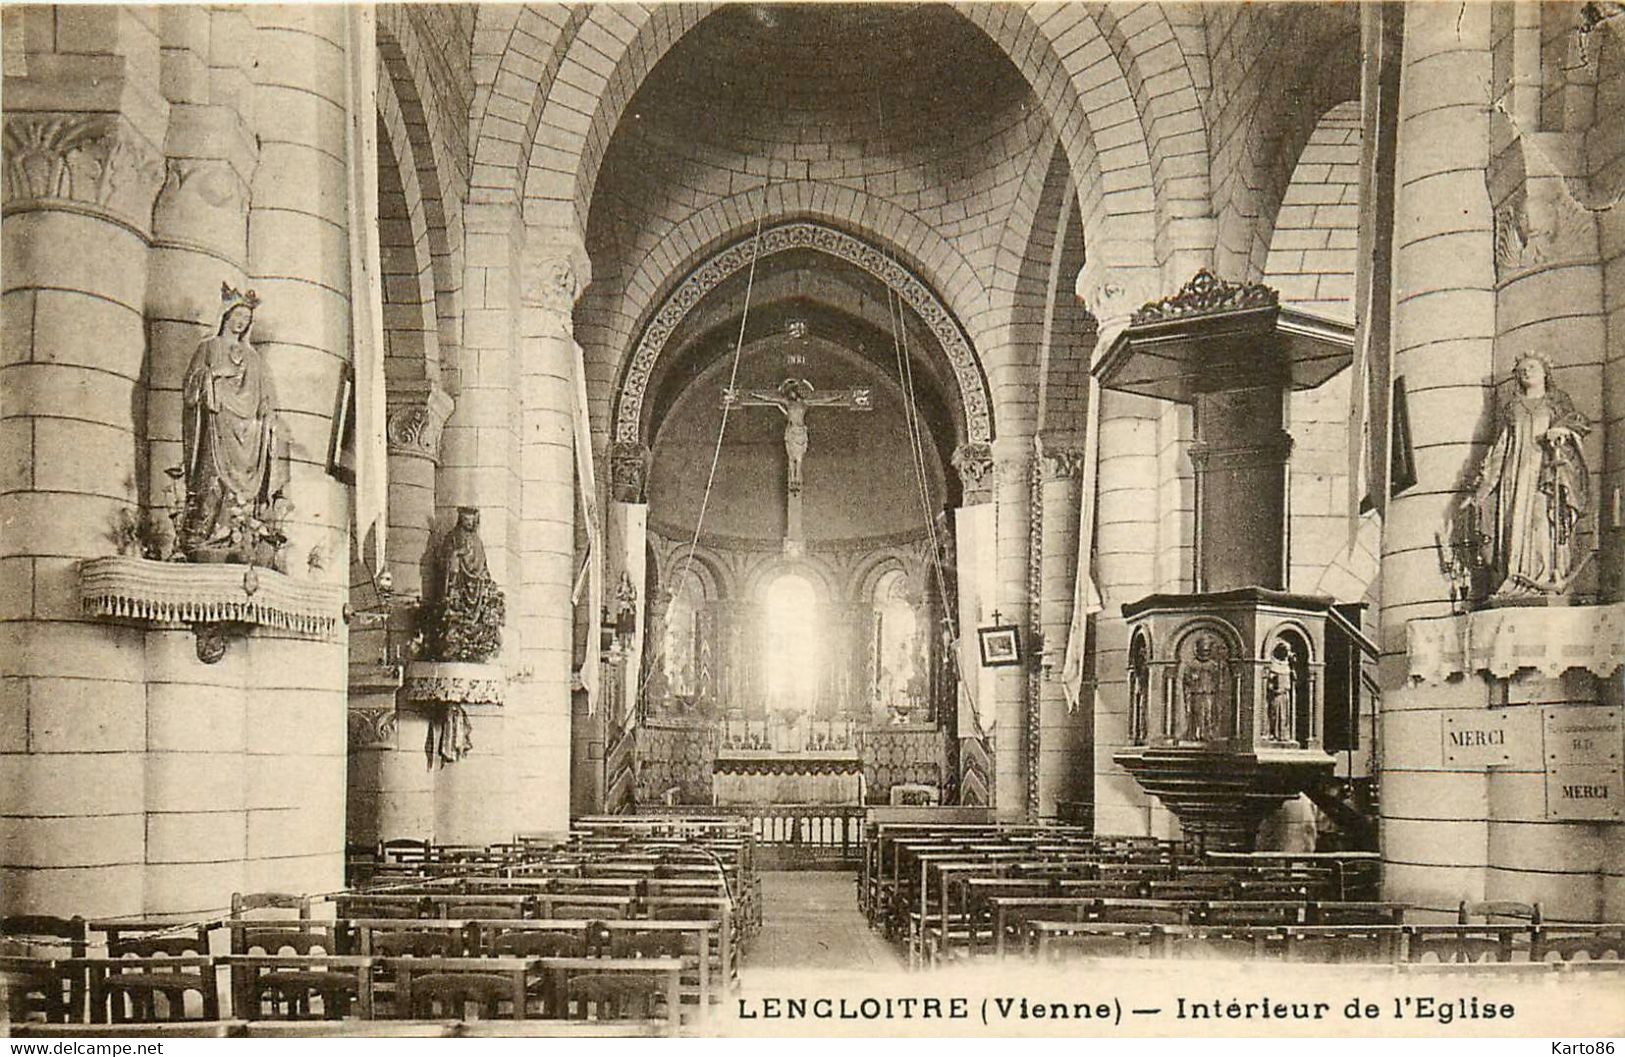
[[83, 136], [1012, 482], [298, 247], [1126, 541], [391, 792], [197, 715], [1063, 766], [977, 574], [1433, 834], [475, 798], [556, 270]]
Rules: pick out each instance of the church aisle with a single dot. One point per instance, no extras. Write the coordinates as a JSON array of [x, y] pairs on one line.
[[810, 920]]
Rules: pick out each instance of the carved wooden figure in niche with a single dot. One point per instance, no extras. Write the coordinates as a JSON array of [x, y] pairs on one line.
[[234, 446], [1280, 692], [1139, 690], [1533, 488], [1204, 679], [466, 619]]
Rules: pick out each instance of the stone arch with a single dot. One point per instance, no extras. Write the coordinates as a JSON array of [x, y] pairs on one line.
[[1315, 64], [1081, 78], [412, 349], [864, 578], [628, 415], [402, 85], [940, 264]]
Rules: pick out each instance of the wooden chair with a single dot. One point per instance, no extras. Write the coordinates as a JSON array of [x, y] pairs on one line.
[[1566, 943], [448, 996], [446, 987], [612, 996], [301, 987], [168, 969], [52, 995]]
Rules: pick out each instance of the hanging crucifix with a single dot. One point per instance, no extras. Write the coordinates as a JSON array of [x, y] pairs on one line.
[[794, 397]]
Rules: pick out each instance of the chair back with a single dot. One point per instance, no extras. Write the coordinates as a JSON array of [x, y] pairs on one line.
[[540, 944], [611, 996], [448, 995], [245, 903], [649, 945], [438, 944]]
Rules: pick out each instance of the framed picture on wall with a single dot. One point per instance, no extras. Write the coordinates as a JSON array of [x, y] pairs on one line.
[[1001, 645], [341, 457]]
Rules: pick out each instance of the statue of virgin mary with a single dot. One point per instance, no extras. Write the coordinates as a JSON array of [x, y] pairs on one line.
[[1533, 487], [236, 463]]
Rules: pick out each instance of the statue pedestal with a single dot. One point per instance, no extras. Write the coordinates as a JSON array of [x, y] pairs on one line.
[[214, 598], [454, 683], [1548, 639]]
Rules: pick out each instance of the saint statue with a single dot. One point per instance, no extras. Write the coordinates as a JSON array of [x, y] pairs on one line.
[[466, 620], [1203, 681], [1280, 692], [1533, 487], [234, 447]]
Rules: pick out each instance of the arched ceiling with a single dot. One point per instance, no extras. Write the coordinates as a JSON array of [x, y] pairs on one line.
[[844, 310], [910, 107]]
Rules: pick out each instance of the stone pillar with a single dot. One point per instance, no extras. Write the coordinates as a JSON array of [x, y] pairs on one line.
[[391, 791], [977, 575], [475, 798], [1434, 832], [196, 714], [83, 137], [556, 270], [1064, 771], [298, 247], [1126, 542], [1012, 482]]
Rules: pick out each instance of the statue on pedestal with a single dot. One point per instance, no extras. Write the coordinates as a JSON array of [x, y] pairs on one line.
[[234, 447], [1533, 488], [465, 622]]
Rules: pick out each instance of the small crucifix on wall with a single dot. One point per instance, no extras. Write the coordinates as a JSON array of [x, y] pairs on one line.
[[794, 397]]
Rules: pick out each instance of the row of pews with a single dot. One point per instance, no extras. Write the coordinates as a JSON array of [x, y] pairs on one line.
[[955, 892], [630, 926]]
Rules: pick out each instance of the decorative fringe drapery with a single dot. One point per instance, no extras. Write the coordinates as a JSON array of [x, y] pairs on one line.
[[180, 593]]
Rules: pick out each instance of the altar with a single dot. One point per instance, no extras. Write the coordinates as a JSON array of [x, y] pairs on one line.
[[764, 776]]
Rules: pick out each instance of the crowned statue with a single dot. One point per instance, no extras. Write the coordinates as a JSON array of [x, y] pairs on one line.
[[465, 621], [234, 446], [1533, 489]]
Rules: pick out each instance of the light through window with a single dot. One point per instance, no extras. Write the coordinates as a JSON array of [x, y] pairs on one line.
[[790, 657]]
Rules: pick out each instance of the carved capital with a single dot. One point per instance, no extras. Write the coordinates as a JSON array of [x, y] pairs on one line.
[[89, 163], [1063, 463], [628, 471], [974, 464], [203, 204], [1112, 294], [372, 728], [416, 423], [556, 271], [1206, 293]]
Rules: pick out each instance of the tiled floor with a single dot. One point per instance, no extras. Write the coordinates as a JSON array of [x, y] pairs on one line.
[[811, 920]]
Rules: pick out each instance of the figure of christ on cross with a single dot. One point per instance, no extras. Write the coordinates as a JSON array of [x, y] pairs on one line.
[[794, 397]]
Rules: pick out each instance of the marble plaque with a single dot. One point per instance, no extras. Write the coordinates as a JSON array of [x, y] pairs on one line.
[[1477, 739], [1584, 780]]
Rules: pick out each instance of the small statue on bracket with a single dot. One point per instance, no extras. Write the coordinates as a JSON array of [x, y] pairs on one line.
[[465, 620], [234, 447], [1533, 490]]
